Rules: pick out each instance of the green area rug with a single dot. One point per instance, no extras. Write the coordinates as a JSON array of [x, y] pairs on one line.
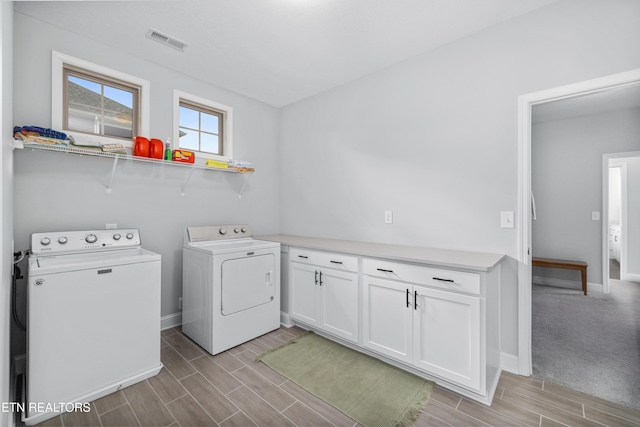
[[366, 389]]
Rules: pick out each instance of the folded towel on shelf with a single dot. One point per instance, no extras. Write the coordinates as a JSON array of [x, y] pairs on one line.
[[39, 131], [41, 136], [240, 164]]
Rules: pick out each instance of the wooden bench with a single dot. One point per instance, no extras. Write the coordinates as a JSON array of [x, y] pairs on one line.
[[568, 265]]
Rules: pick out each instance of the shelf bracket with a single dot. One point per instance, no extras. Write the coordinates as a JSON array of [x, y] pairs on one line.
[[186, 180], [246, 181], [113, 173]]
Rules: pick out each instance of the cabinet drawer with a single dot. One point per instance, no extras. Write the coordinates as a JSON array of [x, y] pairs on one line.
[[434, 277], [324, 259]]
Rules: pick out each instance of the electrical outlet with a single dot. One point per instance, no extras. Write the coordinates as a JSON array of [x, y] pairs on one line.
[[388, 217], [111, 226], [180, 303]]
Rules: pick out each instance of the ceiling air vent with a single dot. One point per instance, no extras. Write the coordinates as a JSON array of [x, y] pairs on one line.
[[166, 40]]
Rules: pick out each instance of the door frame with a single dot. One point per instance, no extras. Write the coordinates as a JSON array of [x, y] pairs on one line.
[[609, 161], [525, 104]]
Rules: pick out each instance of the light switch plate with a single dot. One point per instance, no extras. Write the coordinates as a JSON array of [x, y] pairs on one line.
[[507, 219], [595, 216]]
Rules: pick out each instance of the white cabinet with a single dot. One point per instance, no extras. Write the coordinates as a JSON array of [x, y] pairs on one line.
[[438, 321], [324, 292], [435, 328], [387, 318], [446, 335], [614, 242]]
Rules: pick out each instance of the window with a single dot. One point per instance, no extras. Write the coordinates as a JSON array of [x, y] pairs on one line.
[[202, 126], [97, 104]]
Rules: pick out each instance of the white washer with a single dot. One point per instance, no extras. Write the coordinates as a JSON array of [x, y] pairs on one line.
[[93, 318], [230, 286]]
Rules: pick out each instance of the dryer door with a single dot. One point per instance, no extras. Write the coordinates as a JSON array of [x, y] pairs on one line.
[[247, 282]]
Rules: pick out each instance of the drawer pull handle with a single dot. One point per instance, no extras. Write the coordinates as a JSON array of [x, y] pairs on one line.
[[385, 271], [303, 256], [316, 277], [336, 262], [443, 280], [407, 298]]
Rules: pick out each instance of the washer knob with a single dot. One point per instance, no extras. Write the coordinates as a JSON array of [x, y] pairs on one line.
[[244, 230], [236, 230], [62, 240], [116, 237], [129, 236], [45, 241], [223, 231], [91, 238]]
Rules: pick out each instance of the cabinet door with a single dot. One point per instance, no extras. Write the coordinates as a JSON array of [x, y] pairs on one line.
[[446, 336], [339, 292], [387, 313], [303, 301]]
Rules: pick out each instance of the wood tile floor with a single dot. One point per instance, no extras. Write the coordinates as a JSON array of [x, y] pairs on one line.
[[230, 389]]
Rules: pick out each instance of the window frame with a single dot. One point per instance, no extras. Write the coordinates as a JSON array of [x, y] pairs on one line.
[[58, 97], [225, 130]]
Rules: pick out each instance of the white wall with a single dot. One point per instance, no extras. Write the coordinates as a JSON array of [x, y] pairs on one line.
[[435, 138], [633, 216], [615, 200], [54, 191], [566, 174], [6, 192]]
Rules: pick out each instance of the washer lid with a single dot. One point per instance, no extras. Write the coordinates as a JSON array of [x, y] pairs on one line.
[[70, 262]]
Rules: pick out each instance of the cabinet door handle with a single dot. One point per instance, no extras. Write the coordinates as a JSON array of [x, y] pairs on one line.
[[384, 271], [407, 298], [336, 262], [303, 256], [316, 277], [321, 278], [415, 300], [443, 280]]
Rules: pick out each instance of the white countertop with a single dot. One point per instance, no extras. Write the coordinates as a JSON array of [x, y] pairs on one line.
[[478, 261]]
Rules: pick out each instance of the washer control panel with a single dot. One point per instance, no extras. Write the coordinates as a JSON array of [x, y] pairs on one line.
[[210, 233], [58, 242]]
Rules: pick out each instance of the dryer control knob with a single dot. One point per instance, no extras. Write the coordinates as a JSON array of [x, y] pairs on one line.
[[62, 240], [223, 231], [129, 236], [45, 241], [91, 238], [244, 230], [116, 237], [236, 230]]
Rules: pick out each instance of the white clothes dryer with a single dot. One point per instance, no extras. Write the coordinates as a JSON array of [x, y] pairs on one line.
[[93, 301], [230, 286]]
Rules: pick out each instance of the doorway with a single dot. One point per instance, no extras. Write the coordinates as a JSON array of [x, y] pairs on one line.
[[525, 104], [573, 152]]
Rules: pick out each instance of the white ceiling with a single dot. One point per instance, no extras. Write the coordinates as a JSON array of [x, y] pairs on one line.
[[279, 51]]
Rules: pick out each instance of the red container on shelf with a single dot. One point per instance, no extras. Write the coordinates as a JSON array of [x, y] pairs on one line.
[[141, 146], [184, 156], [156, 148]]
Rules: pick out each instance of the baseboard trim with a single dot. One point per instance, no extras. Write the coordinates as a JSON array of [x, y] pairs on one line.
[[171, 320], [285, 320], [509, 363], [563, 283]]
